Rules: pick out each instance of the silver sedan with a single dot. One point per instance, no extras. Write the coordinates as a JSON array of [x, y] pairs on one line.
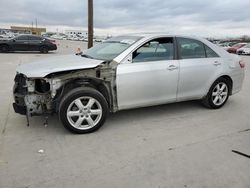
[[127, 72]]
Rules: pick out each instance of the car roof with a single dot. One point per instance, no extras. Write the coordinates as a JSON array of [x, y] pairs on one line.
[[156, 34], [28, 35], [148, 36]]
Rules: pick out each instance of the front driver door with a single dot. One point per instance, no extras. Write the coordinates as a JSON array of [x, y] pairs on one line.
[[21, 43], [152, 76], [34, 43]]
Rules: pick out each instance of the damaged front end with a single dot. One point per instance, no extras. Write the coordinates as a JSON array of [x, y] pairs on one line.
[[32, 96], [42, 96]]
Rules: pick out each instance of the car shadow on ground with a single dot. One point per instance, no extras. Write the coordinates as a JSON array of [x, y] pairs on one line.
[[125, 117], [29, 52]]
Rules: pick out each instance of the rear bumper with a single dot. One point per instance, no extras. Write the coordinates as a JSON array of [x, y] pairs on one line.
[[238, 79]]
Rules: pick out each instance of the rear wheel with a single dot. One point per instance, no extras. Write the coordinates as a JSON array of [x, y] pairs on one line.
[[218, 94], [83, 110], [44, 49], [4, 48]]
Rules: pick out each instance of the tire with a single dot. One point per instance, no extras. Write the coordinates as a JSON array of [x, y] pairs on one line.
[[4, 48], [218, 94], [44, 49], [83, 110]]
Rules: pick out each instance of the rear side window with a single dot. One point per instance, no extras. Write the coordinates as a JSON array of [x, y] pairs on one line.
[[155, 50], [210, 53], [34, 38], [22, 38], [191, 49]]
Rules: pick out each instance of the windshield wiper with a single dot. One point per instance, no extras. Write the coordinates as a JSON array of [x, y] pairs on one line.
[[87, 56]]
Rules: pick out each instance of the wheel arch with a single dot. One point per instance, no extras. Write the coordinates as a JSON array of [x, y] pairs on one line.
[[5, 44], [41, 47], [228, 78], [230, 81], [96, 84]]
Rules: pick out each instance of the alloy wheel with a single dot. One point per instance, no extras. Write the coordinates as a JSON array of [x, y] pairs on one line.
[[84, 113], [220, 94]]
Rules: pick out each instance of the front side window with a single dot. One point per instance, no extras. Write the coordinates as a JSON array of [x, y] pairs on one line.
[[191, 49], [22, 37], [155, 50], [35, 38]]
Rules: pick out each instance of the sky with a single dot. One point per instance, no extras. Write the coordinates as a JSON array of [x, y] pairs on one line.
[[207, 18]]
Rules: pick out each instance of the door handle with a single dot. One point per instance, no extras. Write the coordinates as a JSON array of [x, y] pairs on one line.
[[216, 63], [172, 67]]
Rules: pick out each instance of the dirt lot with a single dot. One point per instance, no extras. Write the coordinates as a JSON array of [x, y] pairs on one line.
[[176, 145]]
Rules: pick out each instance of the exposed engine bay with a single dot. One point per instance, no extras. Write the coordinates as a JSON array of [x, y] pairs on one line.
[[41, 96]]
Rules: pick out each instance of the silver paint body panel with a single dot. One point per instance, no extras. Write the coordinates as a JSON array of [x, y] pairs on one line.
[[151, 83]]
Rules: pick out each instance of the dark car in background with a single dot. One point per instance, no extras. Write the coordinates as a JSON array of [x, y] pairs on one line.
[[235, 47], [28, 43]]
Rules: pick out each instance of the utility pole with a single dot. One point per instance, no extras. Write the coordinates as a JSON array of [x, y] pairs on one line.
[[36, 27], [36, 23], [90, 23]]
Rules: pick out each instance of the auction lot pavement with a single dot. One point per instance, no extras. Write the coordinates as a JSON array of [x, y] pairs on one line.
[[175, 145]]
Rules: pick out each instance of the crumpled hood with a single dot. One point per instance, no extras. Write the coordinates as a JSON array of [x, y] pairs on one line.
[[42, 68]]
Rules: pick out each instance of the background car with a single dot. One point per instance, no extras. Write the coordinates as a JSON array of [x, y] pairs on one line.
[[235, 47], [244, 50], [28, 43], [227, 45]]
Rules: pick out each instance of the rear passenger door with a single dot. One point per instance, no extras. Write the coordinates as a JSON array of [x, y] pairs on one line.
[[199, 66], [35, 43]]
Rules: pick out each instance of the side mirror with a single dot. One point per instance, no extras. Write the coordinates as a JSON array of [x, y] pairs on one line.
[[129, 58], [13, 40]]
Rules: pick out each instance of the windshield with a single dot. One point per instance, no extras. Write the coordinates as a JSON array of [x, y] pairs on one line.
[[111, 48]]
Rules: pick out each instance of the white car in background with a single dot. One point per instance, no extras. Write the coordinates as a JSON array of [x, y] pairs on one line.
[[58, 37], [127, 72], [244, 51]]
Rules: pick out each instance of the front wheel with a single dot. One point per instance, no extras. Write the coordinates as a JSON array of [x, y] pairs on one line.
[[218, 94], [4, 48], [83, 110]]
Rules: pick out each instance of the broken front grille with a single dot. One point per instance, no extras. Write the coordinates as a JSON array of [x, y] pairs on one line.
[[20, 84]]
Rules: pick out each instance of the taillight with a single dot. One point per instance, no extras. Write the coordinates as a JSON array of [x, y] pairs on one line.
[[242, 64]]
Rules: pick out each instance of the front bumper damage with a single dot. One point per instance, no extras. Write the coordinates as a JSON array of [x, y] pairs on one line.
[[20, 109], [30, 100], [41, 96], [19, 92]]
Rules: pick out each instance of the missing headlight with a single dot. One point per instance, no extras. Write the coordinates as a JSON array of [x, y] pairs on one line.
[[41, 86]]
